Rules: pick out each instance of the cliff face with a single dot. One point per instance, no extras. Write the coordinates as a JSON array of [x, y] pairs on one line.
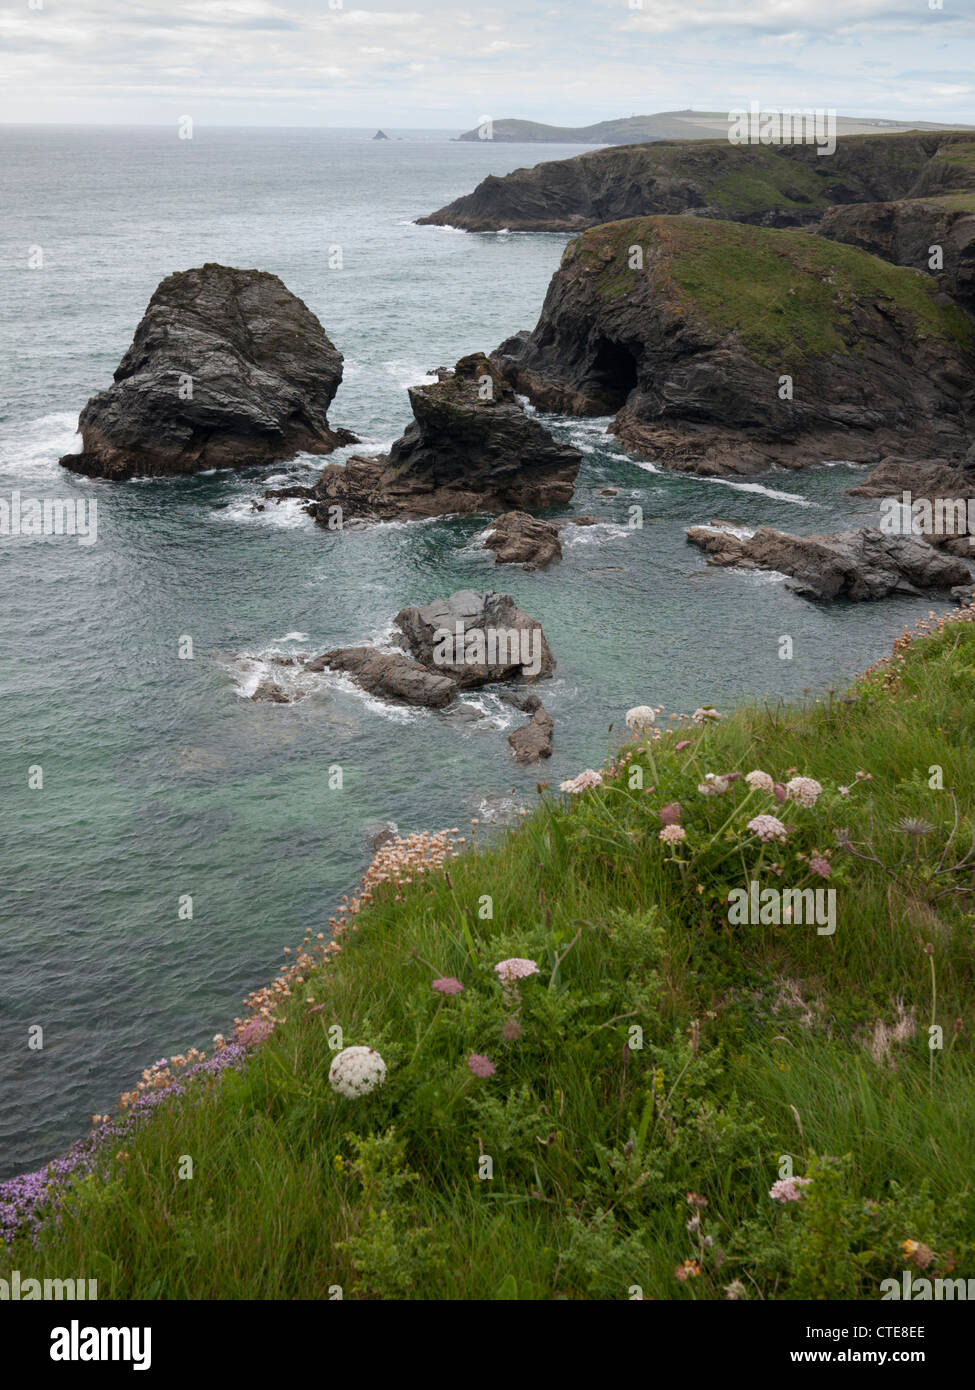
[[777, 185], [227, 368], [726, 348], [907, 233]]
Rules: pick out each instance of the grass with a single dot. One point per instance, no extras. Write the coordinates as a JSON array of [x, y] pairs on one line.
[[659, 1053], [788, 295]]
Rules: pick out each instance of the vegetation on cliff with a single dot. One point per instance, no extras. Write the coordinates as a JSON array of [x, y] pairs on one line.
[[648, 1098]]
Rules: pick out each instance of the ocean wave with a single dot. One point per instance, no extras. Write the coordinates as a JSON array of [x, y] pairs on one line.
[[34, 446], [761, 488], [759, 576], [572, 536]]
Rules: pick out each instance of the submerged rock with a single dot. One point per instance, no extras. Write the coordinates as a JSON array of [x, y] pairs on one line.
[[274, 694], [471, 448], [857, 565], [655, 320], [227, 369]]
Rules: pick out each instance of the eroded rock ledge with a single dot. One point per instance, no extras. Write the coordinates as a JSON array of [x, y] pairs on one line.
[[857, 565], [227, 369], [470, 448]]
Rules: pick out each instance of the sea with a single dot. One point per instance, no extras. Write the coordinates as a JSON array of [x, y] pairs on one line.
[[163, 837]]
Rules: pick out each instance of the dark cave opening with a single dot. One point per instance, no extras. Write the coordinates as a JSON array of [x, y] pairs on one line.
[[613, 373]]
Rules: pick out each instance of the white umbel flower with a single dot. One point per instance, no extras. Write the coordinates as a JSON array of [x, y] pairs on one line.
[[639, 718], [760, 781], [355, 1071], [805, 790]]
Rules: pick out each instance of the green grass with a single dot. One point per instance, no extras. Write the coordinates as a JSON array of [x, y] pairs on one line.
[[755, 1048], [789, 295]]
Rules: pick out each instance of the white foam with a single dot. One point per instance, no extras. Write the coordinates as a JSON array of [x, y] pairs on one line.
[[34, 446], [759, 576], [407, 374], [845, 463], [293, 637], [591, 535], [742, 532], [647, 467], [289, 513], [765, 491]]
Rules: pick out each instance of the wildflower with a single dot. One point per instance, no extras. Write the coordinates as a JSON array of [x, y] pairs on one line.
[[767, 828], [481, 1066], [805, 790], [917, 1253], [712, 785], [355, 1071], [690, 1269], [819, 865], [580, 783], [673, 834], [694, 1199], [788, 1189], [779, 792], [511, 1030], [639, 718], [255, 1031], [684, 743], [843, 791], [448, 985], [705, 712], [734, 1290], [516, 968], [670, 815], [760, 781], [911, 825], [864, 776]]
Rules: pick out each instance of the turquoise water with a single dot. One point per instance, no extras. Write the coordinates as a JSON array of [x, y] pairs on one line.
[[160, 778]]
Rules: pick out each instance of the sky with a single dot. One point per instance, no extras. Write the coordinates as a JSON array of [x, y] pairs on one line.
[[413, 64]]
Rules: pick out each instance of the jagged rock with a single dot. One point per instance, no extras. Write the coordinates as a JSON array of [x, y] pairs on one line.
[[227, 369], [389, 675], [380, 135], [273, 693], [692, 364], [857, 565], [904, 233], [379, 833], [476, 638], [534, 739], [519, 539], [470, 448]]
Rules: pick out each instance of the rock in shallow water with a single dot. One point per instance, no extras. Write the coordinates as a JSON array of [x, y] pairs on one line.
[[227, 368]]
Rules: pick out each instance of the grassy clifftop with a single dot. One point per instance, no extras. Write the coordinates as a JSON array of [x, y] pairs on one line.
[[675, 1102], [787, 294]]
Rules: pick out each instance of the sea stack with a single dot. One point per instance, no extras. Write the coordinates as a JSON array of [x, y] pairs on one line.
[[227, 369]]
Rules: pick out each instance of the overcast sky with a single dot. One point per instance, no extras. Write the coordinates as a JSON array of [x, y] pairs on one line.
[[416, 63]]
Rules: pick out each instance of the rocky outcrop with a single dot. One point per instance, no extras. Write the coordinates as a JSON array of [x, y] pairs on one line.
[[470, 448], [477, 638], [534, 739], [931, 499], [389, 675], [894, 476], [857, 565], [519, 539], [227, 369], [912, 234], [380, 135], [772, 185], [657, 321]]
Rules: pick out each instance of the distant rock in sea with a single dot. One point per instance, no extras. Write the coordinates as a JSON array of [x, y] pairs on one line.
[[227, 369], [380, 135]]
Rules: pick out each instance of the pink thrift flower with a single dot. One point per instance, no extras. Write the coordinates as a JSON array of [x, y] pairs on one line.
[[448, 985], [255, 1031], [788, 1189], [684, 743], [819, 865], [673, 834], [481, 1066], [670, 815]]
